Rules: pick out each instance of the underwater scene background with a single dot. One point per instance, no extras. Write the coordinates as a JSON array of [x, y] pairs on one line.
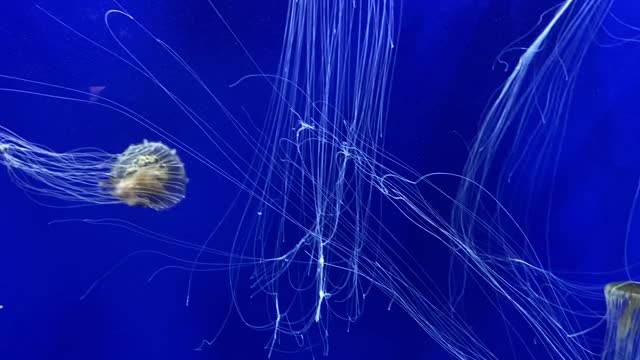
[[556, 216]]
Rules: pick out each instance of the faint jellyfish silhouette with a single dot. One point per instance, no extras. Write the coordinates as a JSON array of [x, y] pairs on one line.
[[623, 321], [96, 92]]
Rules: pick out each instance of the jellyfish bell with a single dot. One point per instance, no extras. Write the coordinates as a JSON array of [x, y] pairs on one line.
[[148, 175], [623, 321], [320, 208]]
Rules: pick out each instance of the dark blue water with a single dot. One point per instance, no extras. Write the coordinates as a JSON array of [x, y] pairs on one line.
[[443, 81]]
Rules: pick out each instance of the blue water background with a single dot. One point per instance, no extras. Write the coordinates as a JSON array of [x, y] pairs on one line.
[[443, 81]]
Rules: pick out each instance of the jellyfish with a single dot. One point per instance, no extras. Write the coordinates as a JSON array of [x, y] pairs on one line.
[[149, 174], [623, 321]]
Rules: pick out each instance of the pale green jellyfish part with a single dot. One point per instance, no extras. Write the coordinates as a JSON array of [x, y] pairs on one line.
[[148, 175], [623, 321]]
